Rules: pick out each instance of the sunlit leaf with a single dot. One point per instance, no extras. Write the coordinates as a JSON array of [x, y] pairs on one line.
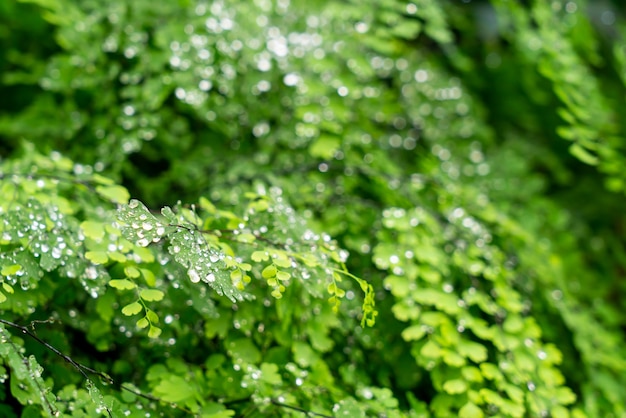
[[122, 284], [132, 309], [151, 295]]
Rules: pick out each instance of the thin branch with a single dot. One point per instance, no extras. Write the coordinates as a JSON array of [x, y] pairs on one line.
[[82, 369], [297, 408]]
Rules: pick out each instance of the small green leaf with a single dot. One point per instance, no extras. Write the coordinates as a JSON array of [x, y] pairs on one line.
[[407, 29], [149, 277], [117, 256], [269, 272], [583, 155], [414, 332], [246, 238], [559, 411], [331, 288], [153, 295], [131, 309], [282, 262], [475, 351], [259, 256], [10, 270], [142, 323], [174, 389], [325, 146], [122, 284], [207, 205], [154, 332], [7, 288], [92, 229], [97, 257], [116, 194], [565, 395], [269, 374], [152, 316], [282, 275], [244, 350], [132, 272], [105, 181], [455, 386], [303, 354], [236, 274], [431, 349], [3, 297], [470, 410], [472, 374]]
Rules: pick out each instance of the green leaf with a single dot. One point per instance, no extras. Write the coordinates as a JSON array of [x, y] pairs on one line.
[[122, 284], [153, 295], [3, 297], [131, 272], [148, 276], [566, 396], [10, 270], [132, 309], [97, 257], [154, 332], [559, 411], [431, 349], [116, 194], [470, 410], [407, 29], [473, 350], [455, 386], [325, 147], [246, 238], [269, 272], [244, 350], [303, 354], [142, 323], [92, 229], [283, 262], [583, 155], [174, 389], [236, 274], [414, 332], [152, 316], [269, 374]]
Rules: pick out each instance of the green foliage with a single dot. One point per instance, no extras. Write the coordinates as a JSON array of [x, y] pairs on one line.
[[342, 208]]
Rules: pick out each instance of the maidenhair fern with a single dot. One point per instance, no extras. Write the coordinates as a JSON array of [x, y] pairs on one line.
[[57, 228]]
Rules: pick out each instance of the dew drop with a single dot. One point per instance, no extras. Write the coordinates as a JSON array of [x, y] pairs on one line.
[[193, 276]]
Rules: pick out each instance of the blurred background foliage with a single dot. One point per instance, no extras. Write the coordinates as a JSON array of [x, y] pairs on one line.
[[469, 154]]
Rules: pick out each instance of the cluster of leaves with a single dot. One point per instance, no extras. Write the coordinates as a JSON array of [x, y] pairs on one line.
[[454, 148], [61, 232]]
